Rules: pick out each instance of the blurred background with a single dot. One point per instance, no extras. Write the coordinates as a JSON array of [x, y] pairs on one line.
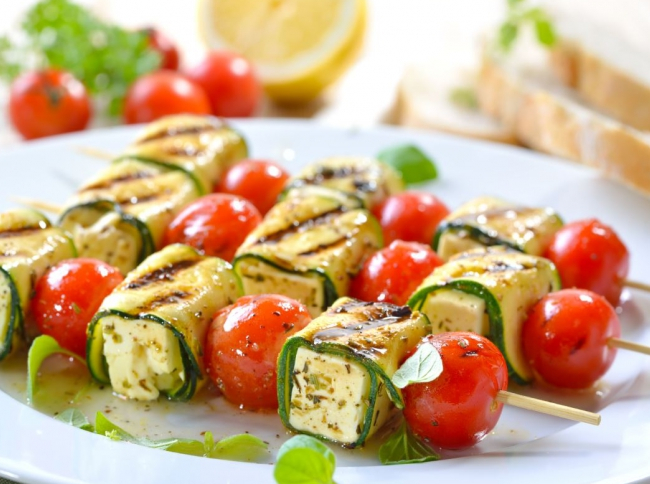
[[419, 63]]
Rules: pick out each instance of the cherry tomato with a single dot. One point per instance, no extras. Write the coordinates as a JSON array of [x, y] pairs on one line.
[[565, 337], [49, 102], [258, 181], [392, 274], [67, 297], [589, 255], [165, 47], [162, 93], [410, 216], [459, 408], [230, 82], [243, 345], [216, 224]]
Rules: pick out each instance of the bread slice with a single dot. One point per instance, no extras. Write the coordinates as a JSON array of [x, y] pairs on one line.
[[425, 101], [545, 115]]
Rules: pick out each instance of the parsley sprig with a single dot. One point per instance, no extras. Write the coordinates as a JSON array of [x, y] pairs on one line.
[[520, 14], [60, 34]]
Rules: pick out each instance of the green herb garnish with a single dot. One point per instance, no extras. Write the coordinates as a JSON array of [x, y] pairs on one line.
[[41, 348], [104, 57], [304, 460], [411, 162], [405, 448], [464, 97], [76, 418], [518, 15], [423, 366]]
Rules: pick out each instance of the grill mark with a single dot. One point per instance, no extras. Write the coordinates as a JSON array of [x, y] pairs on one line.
[[179, 131], [165, 299], [321, 247], [497, 214], [162, 274], [100, 185], [187, 149], [325, 173], [5, 234], [301, 226], [135, 200]]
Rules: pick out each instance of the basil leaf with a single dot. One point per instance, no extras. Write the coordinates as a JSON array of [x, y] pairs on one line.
[[507, 34], [76, 418], [545, 32], [241, 447], [42, 347], [405, 448], [423, 366], [464, 97], [411, 162], [304, 460]]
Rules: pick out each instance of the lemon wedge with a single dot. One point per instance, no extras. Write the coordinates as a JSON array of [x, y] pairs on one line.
[[299, 47]]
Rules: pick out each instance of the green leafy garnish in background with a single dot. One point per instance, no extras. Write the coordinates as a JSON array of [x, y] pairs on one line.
[[405, 448], [304, 460], [520, 14], [41, 348], [464, 97], [411, 162], [423, 366], [60, 34]]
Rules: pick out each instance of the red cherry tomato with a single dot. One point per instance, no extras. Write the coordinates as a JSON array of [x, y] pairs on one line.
[[565, 337], [230, 82], [49, 102], [459, 408], [162, 93], [589, 255], [258, 181], [410, 216], [392, 274], [243, 345], [165, 47], [216, 224], [67, 297]]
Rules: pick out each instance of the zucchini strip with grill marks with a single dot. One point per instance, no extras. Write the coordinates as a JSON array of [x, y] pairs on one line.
[[147, 337], [121, 215], [488, 291], [308, 247], [368, 179], [334, 376], [487, 221], [201, 146], [29, 245]]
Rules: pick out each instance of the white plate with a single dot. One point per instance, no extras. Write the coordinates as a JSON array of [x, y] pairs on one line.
[[525, 447]]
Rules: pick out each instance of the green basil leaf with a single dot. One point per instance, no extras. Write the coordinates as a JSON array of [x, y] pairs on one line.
[[241, 447], [545, 32], [405, 448], [464, 97], [42, 347], [507, 34], [411, 162], [304, 460], [423, 366], [76, 418]]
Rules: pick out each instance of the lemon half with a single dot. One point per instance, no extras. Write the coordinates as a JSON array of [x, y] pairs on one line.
[[299, 47]]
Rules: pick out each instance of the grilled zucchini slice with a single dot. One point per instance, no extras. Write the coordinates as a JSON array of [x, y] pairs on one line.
[[120, 217], [202, 146], [368, 179], [334, 376], [488, 221], [488, 291], [29, 245], [308, 247], [147, 337]]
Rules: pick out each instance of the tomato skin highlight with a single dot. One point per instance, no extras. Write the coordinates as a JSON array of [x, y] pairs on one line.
[[169, 57], [589, 255], [162, 93], [243, 345], [258, 181], [215, 224], [565, 338], [393, 273], [67, 297], [410, 216], [230, 83], [459, 408], [49, 102]]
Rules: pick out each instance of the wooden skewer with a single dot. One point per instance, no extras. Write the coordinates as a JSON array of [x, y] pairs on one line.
[[637, 285], [628, 345], [549, 408], [38, 204], [95, 153]]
